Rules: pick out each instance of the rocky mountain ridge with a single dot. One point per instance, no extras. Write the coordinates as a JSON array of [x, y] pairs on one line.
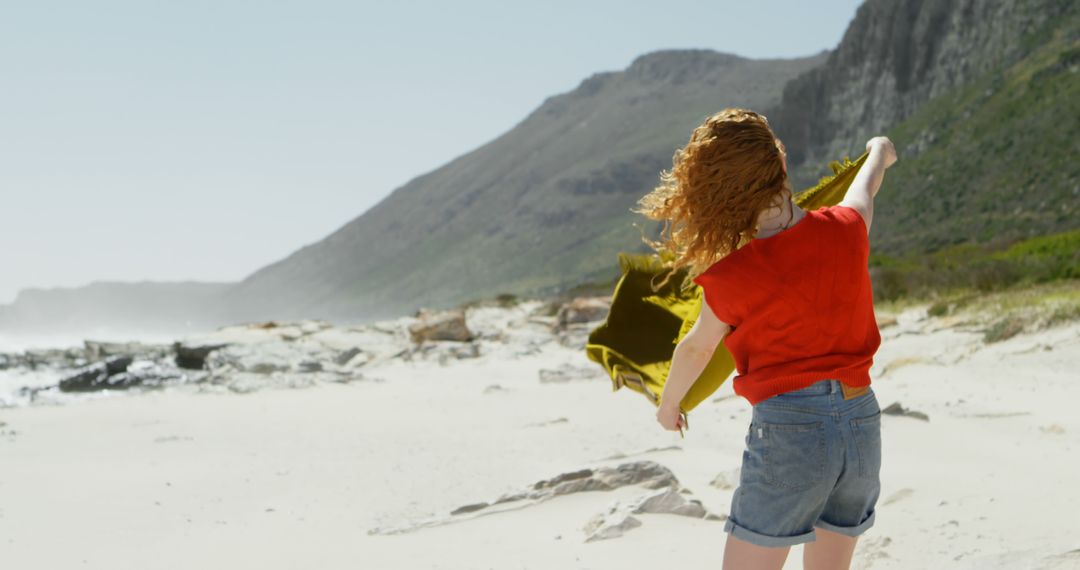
[[980, 97]]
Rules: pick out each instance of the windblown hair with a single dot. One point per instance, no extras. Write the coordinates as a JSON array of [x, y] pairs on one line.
[[731, 170]]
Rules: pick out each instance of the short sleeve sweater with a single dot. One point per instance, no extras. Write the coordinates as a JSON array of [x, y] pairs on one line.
[[800, 305]]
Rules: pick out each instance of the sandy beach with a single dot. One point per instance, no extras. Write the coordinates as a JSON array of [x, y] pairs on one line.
[[365, 474]]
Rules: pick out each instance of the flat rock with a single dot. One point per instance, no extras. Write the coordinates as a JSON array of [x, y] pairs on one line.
[[98, 376], [445, 325]]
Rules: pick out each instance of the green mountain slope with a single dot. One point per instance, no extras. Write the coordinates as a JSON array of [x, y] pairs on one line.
[[546, 205], [991, 162]]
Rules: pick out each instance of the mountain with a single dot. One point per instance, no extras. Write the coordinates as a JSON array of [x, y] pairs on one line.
[[109, 307], [993, 161], [983, 102], [541, 207], [981, 97], [957, 83]]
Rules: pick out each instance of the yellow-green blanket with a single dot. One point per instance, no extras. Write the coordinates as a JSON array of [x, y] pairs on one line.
[[636, 341]]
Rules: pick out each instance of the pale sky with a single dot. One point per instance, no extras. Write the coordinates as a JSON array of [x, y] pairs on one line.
[[201, 140]]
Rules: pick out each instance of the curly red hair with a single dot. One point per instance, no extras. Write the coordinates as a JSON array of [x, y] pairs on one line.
[[730, 171]]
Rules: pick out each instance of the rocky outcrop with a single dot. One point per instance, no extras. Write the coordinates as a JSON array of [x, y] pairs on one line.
[[619, 517], [444, 325], [192, 354], [582, 310], [666, 496], [122, 373], [97, 376], [895, 56]]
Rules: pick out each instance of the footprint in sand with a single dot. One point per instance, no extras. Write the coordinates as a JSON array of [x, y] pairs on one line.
[[899, 496], [548, 422], [870, 550], [1052, 428]]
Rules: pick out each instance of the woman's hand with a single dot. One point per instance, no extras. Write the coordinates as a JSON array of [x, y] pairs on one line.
[[884, 146], [670, 417]]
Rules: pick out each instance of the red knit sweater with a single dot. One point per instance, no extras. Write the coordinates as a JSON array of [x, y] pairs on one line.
[[800, 305]]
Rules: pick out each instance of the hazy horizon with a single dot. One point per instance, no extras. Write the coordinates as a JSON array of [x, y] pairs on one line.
[[201, 142]]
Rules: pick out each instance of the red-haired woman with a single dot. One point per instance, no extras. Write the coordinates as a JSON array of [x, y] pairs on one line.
[[788, 293]]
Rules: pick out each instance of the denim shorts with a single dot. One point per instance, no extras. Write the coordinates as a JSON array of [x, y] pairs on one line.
[[812, 459]]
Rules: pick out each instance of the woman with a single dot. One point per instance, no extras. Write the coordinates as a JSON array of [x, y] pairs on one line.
[[788, 292]]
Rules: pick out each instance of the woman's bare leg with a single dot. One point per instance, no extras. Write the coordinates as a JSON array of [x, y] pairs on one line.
[[741, 555], [831, 551]]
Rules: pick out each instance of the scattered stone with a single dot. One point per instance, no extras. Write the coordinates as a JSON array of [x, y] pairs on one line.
[[312, 327], [575, 336], [469, 508], [441, 351], [895, 409], [98, 350], [670, 501], [248, 382], [608, 526], [120, 373], [346, 356], [97, 376], [727, 480], [446, 325], [558, 479], [262, 358], [570, 373], [265, 325], [147, 374], [648, 474], [618, 518], [192, 355], [511, 497], [582, 310]]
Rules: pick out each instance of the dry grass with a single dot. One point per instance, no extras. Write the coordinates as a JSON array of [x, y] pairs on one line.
[[1002, 314]]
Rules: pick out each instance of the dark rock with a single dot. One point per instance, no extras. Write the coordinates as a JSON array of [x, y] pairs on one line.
[[582, 310], [556, 480], [344, 358], [469, 508], [895, 409], [148, 377], [192, 355], [97, 376]]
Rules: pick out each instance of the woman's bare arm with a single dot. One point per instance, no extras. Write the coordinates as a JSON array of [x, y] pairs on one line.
[[692, 354], [860, 195]]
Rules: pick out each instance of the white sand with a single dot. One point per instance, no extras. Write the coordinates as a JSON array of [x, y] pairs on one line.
[[297, 478]]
